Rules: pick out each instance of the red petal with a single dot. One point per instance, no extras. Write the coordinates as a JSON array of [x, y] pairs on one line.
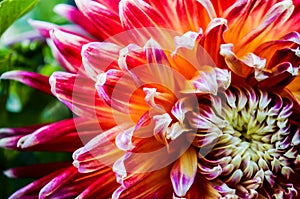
[[31, 190], [139, 17], [214, 32], [279, 77], [105, 20]]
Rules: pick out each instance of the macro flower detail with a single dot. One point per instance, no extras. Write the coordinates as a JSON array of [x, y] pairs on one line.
[[171, 99], [258, 146]]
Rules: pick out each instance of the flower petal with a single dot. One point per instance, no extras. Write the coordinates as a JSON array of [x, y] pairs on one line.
[[57, 182], [50, 132], [75, 16], [183, 172], [79, 94], [34, 80], [214, 32], [105, 20], [97, 57], [69, 45], [138, 16]]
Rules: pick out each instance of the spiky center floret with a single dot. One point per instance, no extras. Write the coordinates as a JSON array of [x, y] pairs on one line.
[[251, 141]]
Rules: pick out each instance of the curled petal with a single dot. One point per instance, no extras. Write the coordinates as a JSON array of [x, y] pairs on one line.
[[97, 57], [279, 77], [233, 62], [79, 94], [214, 32], [69, 45]]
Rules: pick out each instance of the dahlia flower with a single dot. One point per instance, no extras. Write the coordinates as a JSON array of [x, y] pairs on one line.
[[171, 99]]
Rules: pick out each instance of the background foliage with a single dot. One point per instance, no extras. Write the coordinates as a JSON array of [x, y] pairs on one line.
[[19, 104]]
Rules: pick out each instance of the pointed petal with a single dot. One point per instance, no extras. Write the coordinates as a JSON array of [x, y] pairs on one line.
[[209, 8], [44, 28], [155, 184], [49, 133], [100, 187], [33, 188], [138, 16], [98, 152], [281, 10], [69, 45], [79, 94], [106, 21], [75, 16], [57, 182], [7, 132], [183, 172], [34, 80]]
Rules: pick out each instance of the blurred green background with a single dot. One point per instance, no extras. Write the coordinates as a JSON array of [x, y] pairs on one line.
[[21, 105]]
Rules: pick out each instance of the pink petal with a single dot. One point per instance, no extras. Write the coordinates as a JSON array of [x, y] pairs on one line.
[[57, 182], [98, 152], [7, 132], [111, 4], [69, 45], [75, 16], [45, 27], [34, 80], [49, 133], [31, 190], [10, 142]]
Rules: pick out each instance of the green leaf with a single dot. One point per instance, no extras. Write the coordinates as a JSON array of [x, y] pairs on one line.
[[11, 10]]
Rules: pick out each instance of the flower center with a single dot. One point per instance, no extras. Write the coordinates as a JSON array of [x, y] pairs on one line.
[[250, 137]]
